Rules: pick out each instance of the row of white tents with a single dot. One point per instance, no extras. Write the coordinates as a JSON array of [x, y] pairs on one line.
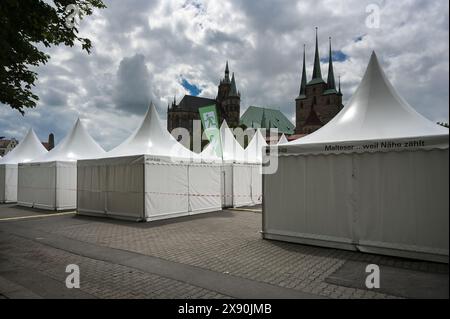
[[374, 179], [149, 176]]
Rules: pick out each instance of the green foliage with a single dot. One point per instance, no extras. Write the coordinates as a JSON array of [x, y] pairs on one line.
[[24, 24]]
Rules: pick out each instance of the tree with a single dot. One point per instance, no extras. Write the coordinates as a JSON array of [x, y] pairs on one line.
[[25, 24]]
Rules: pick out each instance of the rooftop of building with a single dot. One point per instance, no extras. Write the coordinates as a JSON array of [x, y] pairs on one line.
[[264, 117]]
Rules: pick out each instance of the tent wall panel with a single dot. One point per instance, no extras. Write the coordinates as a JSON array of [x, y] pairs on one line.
[[242, 185], [307, 198], [390, 203], [125, 188], [205, 191], [37, 185], [49, 185], [143, 188], [66, 185], [403, 201], [8, 183], [2, 183], [256, 185], [166, 190], [91, 187], [227, 185]]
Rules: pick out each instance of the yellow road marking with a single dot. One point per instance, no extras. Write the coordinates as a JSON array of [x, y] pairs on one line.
[[37, 216]]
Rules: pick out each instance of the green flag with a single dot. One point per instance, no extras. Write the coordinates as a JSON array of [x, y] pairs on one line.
[[210, 121]]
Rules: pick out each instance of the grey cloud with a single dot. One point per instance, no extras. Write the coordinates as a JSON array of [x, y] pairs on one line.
[[133, 88]]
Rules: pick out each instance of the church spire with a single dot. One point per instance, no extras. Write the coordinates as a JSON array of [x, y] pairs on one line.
[[227, 73], [302, 93], [317, 73], [331, 84], [233, 90]]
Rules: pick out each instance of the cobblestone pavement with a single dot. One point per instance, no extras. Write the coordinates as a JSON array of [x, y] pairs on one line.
[[226, 242], [100, 279]]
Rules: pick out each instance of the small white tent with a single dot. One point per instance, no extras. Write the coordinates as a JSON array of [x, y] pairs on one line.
[[240, 170], [374, 179], [254, 155], [253, 152], [283, 140], [232, 151], [29, 148], [150, 176], [49, 181]]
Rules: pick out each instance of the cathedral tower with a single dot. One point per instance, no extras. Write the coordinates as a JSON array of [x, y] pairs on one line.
[[318, 101]]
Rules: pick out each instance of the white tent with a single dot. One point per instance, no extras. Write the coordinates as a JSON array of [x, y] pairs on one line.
[[49, 181], [232, 151], [240, 169], [374, 179], [283, 140], [29, 148], [254, 154], [150, 176]]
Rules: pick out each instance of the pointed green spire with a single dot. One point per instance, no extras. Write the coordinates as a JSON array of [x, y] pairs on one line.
[[302, 93], [317, 73], [331, 85], [233, 90]]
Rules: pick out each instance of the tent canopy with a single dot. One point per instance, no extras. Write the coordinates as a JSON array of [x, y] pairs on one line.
[[376, 112], [78, 144], [283, 140], [231, 149], [28, 149], [253, 152], [151, 138]]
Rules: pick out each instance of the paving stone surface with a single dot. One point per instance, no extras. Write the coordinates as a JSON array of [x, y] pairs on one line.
[[227, 242], [98, 279]]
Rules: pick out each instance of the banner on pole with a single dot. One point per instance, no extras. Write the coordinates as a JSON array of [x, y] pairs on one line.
[[210, 122]]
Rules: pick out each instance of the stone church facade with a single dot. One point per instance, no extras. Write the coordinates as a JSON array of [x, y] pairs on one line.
[[318, 101], [227, 101]]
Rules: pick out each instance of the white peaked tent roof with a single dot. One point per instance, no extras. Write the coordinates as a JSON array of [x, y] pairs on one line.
[[375, 112], [283, 140], [78, 144], [231, 149], [28, 149], [152, 138], [253, 152]]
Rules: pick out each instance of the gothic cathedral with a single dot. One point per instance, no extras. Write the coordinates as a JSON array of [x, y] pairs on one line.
[[318, 101]]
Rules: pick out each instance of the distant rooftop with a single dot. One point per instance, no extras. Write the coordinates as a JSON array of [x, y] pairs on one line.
[[263, 117]]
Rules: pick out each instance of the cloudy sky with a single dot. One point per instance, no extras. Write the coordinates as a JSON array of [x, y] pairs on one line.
[[154, 49]]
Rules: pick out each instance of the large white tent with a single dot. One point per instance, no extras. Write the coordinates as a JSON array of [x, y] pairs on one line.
[[28, 149], [150, 176], [374, 179], [49, 181]]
